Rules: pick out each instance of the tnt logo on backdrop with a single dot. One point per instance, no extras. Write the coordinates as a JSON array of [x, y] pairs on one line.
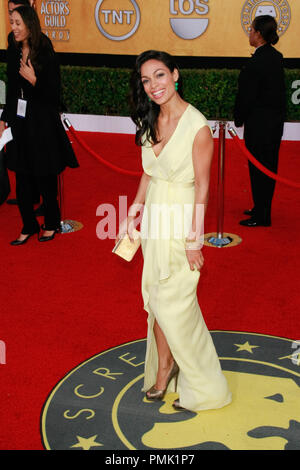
[[115, 23]]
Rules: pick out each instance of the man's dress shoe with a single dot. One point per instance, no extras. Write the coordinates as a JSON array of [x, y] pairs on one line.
[[253, 222]]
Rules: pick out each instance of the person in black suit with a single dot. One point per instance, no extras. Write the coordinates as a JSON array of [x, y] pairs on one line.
[[40, 148], [260, 107], [12, 5]]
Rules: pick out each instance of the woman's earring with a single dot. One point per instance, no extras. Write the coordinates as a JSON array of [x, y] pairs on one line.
[[176, 86]]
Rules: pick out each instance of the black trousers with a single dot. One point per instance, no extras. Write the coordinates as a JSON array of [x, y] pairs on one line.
[[262, 186], [26, 185]]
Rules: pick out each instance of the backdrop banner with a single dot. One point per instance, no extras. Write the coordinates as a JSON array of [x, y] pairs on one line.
[[209, 28]]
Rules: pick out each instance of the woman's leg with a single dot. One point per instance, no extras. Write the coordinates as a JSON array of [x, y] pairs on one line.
[[24, 193], [48, 190], [165, 358]]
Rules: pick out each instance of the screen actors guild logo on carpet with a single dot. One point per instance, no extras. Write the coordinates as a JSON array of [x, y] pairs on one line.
[[279, 9], [100, 406], [115, 23], [190, 24]]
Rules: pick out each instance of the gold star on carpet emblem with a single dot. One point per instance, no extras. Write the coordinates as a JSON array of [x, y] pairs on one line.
[[245, 347], [86, 444]]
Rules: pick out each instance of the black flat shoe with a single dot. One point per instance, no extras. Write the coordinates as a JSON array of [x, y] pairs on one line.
[[253, 222], [18, 242], [47, 238]]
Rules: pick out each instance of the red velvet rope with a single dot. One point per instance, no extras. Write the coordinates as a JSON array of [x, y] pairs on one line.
[[232, 132], [258, 165], [100, 159]]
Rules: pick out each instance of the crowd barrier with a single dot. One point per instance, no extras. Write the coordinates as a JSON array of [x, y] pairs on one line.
[[219, 238], [258, 165], [86, 147]]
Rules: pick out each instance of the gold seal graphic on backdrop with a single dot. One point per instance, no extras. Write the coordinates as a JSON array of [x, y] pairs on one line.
[[279, 9]]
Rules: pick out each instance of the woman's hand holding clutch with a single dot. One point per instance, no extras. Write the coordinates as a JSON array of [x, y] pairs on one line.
[[128, 240], [126, 227]]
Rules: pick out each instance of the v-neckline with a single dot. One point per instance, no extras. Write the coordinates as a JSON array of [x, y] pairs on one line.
[[174, 132]]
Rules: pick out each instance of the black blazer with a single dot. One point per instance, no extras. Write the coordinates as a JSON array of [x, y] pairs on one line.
[[261, 101], [40, 144]]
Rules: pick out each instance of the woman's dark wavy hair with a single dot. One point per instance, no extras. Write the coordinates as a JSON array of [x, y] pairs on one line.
[[144, 112], [267, 26], [36, 40]]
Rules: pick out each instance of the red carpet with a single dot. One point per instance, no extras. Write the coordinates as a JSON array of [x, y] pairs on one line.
[[67, 300]]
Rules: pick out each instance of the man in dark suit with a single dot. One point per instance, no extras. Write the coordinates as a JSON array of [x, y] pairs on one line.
[[260, 107]]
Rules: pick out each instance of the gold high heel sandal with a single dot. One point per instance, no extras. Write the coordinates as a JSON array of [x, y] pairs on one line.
[[154, 394]]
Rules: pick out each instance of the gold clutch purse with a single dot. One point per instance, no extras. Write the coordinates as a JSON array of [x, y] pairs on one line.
[[127, 249]]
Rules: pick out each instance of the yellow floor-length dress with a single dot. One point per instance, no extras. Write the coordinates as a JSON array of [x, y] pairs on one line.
[[169, 287]]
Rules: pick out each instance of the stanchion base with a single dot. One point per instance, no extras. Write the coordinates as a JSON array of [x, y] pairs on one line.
[[228, 240], [68, 226]]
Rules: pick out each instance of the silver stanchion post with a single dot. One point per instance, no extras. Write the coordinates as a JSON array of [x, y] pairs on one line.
[[66, 226], [221, 170], [221, 239]]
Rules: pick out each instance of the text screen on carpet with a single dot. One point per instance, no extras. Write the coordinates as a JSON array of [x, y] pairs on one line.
[[211, 28]]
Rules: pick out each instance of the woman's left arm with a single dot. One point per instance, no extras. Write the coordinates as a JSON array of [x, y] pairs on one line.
[[203, 149]]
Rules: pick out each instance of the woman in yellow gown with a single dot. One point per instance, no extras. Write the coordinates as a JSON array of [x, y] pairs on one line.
[[177, 149]]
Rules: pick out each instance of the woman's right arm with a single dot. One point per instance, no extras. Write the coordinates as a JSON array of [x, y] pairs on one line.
[[141, 192], [127, 226]]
